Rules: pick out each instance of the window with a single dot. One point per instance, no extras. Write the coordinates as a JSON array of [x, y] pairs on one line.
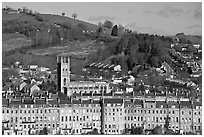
[[62, 119], [177, 119], [189, 112], [199, 120], [24, 111]]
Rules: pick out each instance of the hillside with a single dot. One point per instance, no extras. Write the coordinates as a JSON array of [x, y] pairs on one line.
[[47, 19], [60, 20], [21, 41], [11, 41], [192, 38]]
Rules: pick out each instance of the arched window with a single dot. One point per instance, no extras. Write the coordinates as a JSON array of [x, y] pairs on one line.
[[66, 59], [64, 81], [65, 90]]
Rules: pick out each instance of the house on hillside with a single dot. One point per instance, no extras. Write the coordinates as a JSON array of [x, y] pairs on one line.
[[168, 70], [29, 88], [197, 46], [18, 86]]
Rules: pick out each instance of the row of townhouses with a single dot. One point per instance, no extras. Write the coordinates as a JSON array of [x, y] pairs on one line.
[[108, 115]]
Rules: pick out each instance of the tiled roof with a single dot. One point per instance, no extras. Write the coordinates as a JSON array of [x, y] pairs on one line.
[[96, 101], [52, 101], [126, 102], [4, 101], [40, 101], [113, 100], [161, 104], [184, 104], [172, 104], [150, 95], [107, 94], [138, 102], [15, 102], [65, 101], [74, 101], [28, 101], [138, 93], [54, 96], [86, 101], [196, 104]]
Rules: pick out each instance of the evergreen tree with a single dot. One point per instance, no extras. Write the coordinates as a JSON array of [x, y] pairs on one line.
[[115, 31]]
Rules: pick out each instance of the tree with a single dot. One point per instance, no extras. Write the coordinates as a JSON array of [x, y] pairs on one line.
[[25, 9], [44, 131], [121, 29], [157, 130], [125, 131], [94, 131], [63, 14], [100, 30], [136, 131], [108, 24], [167, 121], [74, 15], [170, 132], [115, 31]]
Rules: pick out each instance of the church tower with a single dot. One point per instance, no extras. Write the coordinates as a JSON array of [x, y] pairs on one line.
[[63, 72]]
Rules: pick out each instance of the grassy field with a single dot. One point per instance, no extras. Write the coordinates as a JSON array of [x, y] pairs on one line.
[[76, 47], [14, 40], [59, 19]]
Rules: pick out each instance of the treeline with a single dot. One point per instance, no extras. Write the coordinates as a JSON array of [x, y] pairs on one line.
[[136, 49]]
